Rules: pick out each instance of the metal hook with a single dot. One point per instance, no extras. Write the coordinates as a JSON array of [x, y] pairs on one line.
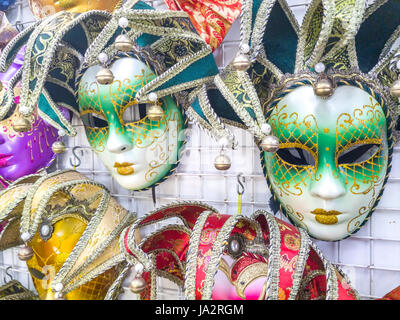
[[8, 274], [153, 194], [76, 157], [241, 180]]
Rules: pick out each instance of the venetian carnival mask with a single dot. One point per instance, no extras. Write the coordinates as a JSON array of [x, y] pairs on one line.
[[132, 90], [333, 158], [137, 150], [76, 227], [44, 8], [24, 153], [319, 108]]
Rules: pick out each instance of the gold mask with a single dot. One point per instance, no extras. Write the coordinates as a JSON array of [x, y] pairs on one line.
[[55, 211]]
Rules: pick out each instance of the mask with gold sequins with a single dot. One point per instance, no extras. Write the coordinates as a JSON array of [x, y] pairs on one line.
[[320, 105]]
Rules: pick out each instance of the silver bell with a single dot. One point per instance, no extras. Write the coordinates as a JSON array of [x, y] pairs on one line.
[[222, 162], [241, 62], [25, 253], [105, 76], [270, 144], [123, 43], [137, 285], [395, 89]]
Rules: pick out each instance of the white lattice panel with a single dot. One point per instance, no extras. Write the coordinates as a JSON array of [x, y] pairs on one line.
[[371, 258]]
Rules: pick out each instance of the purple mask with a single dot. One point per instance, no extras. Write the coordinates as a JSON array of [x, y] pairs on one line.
[[24, 153]]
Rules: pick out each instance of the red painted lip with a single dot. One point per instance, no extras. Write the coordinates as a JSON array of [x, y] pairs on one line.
[[4, 160]]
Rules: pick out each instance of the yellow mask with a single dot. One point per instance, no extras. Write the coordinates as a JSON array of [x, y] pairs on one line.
[[44, 8]]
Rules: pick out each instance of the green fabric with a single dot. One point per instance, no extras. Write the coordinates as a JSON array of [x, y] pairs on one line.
[[280, 40], [76, 37], [196, 107], [254, 10], [147, 39], [202, 68], [17, 46], [46, 108], [140, 5], [222, 107], [375, 32], [61, 95]]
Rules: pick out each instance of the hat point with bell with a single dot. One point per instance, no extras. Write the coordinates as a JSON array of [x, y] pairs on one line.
[[324, 87], [269, 143], [155, 112], [25, 253], [105, 75], [222, 162], [123, 42], [138, 284], [58, 147], [242, 61], [21, 124]]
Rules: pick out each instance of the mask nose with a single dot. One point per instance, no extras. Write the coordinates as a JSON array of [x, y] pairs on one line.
[[328, 187], [118, 143]]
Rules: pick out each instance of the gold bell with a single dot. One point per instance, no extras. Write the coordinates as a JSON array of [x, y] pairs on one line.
[[270, 144], [324, 88], [25, 253], [241, 62], [58, 147], [222, 162], [21, 124], [155, 112], [123, 43], [105, 76], [395, 89], [137, 285]]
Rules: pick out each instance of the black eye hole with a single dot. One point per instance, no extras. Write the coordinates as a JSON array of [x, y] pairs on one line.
[[135, 112], [358, 153], [296, 156], [94, 120]]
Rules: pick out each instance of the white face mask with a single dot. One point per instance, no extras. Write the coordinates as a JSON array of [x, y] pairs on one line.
[[137, 151], [333, 159]]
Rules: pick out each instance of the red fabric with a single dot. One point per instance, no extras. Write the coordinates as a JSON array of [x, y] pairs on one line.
[[210, 232], [211, 18], [178, 241], [188, 213], [392, 295]]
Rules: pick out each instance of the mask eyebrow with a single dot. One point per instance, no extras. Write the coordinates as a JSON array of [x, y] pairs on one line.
[[289, 129], [352, 129]]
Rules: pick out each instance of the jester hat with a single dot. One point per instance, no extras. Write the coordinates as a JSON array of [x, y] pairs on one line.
[[60, 45]]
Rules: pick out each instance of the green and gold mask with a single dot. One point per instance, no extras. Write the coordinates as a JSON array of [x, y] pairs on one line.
[[137, 151], [332, 163], [321, 102], [128, 75]]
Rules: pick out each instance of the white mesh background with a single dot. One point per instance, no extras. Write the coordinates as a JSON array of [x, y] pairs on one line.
[[371, 258]]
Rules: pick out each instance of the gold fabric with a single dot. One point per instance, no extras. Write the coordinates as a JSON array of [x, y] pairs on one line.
[[14, 290], [51, 255], [45, 8]]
